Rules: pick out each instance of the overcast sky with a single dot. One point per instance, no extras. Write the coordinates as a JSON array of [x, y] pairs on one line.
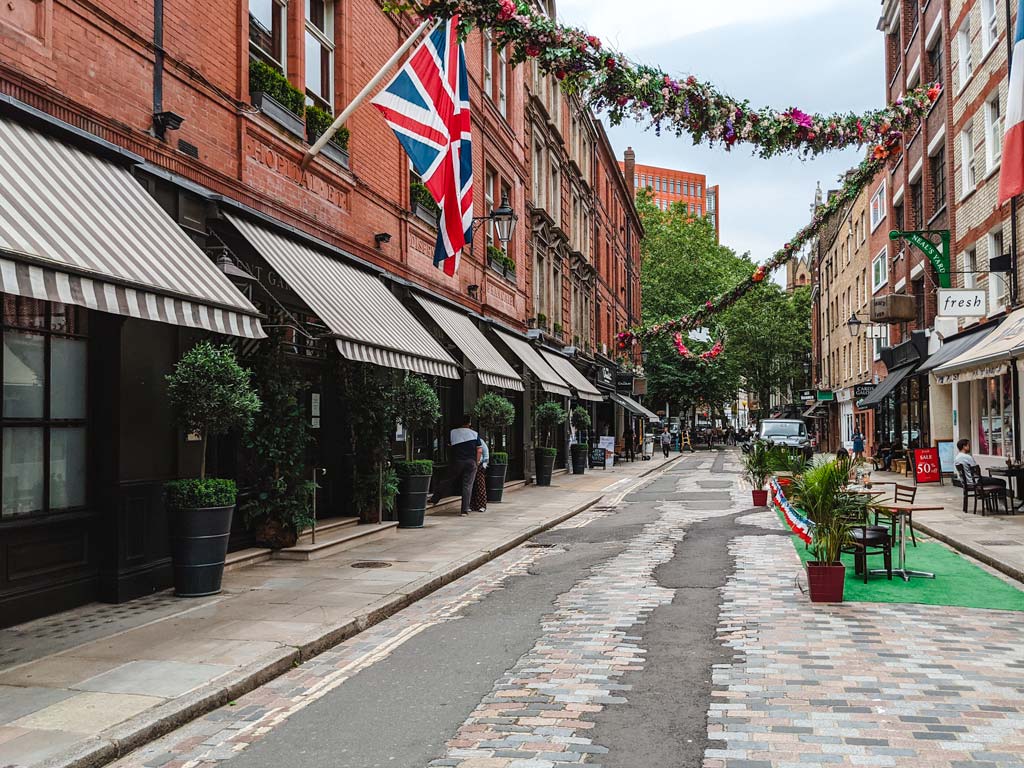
[[822, 56]]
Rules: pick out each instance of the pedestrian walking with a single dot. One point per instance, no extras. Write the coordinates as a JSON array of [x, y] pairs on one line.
[[479, 501], [627, 439], [666, 441], [466, 453], [858, 446]]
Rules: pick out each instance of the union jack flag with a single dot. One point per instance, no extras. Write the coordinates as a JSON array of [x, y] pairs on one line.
[[427, 106]]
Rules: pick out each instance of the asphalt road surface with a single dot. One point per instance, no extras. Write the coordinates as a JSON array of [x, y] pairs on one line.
[[592, 644]]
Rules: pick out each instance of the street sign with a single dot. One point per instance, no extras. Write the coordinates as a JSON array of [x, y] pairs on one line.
[[806, 394], [926, 466], [962, 302], [825, 396], [924, 239]]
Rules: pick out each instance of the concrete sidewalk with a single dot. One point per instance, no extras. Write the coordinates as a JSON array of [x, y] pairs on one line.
[[996, 540], [83, 687]]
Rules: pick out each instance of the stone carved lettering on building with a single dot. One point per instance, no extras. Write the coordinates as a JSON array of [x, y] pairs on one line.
[[286, 167]]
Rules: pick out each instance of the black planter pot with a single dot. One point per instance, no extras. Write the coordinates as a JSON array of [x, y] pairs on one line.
[[545, 466], [199, 544], [496, 481], [580, 455], [411, 504]]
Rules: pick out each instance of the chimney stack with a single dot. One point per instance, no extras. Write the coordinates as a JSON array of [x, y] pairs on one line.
[[629, 163]]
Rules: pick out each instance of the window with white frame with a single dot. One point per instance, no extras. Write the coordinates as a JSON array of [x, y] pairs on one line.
[[488, 61], [968, 176], [880, 339], [965, 64], [997, 297], [539, 177], [970, 267], [878, 207], [320, 52], [880, 271], [555, 198], [503, 81], [267, 31], [489, 204], [989, 24], [993, 133]]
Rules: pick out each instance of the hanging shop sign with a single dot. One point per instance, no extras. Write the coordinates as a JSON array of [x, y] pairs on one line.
[[863, 390], [806, 394], [933, 243], [624, 383], [962, 302], [826, 396]]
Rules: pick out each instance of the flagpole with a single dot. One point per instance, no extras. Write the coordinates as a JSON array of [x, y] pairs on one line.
[[341, 119]]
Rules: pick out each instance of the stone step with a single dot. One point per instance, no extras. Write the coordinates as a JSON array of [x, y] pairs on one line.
[[341, 538], [327, 526], [243, 558]]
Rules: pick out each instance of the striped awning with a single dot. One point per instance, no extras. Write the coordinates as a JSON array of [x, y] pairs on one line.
[[370, 323], [564, 368], [549, 380], [77, 229], [634, 407], [490, 367]]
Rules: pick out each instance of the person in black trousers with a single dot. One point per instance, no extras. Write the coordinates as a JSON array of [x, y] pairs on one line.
[[467, 450]]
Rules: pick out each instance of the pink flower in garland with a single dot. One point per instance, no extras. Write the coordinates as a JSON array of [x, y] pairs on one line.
[[709, 304], [680, 346], [508, 10], [802, 119], [595, 42]]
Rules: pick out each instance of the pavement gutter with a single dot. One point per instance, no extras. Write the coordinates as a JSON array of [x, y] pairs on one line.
[[140, 730], [980, 555]]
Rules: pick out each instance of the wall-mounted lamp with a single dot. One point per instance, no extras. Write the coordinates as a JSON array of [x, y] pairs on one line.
[[382, 237], [473, 290]]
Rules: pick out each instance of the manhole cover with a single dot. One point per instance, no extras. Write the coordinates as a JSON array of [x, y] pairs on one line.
[[535, 545], [371, 564]]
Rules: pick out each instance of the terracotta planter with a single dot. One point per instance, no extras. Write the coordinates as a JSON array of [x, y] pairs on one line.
[[825, 582], [760, 497]]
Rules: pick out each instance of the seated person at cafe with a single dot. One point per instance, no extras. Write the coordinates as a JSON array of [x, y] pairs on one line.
[[966, 460], [884, 457]]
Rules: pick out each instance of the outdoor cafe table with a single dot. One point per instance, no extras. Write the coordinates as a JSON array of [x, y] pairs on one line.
[[901, 511], [1016, 474]]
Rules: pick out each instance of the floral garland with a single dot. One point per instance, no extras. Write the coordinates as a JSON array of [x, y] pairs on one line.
[[704, 357], [650, 95], [853, 185]]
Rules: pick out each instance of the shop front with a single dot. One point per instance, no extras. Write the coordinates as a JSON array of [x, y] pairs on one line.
[[101, 292], [985, 387], [900, 401]]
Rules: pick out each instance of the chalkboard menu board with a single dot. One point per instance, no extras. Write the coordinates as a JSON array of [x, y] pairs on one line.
[[597, 458]]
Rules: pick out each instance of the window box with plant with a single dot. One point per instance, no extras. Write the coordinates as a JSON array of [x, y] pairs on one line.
[[580, 449], [210, 394], [542, 321], [318, 120], [494, 414], [276, 98], [549, 416], [417, 407], [557, 330], [423, 203]]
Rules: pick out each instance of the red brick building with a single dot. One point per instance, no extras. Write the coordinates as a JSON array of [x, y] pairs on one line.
[[190, 101], [670, 186]]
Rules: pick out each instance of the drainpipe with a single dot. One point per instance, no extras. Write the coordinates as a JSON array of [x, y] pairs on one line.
[[158, 62]]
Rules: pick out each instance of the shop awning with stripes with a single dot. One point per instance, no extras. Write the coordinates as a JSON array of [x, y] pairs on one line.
[[990, 356], [537, 365], [78, 229], [369, 323], [634, 407], [564, 368], [490, 367]]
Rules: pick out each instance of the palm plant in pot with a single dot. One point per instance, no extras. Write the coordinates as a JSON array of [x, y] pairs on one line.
[[211, 394], [493, 414], [819, 494], [757, 470], [549, 416], [418, 407], [581, 448]]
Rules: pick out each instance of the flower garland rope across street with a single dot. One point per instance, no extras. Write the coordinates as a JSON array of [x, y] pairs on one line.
[[704, 357]]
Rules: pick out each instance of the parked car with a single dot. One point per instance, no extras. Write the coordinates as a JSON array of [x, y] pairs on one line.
[[789, 433]]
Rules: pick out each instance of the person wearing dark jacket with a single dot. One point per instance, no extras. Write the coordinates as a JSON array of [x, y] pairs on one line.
[[467, 450]]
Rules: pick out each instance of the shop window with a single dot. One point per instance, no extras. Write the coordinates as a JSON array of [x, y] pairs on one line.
[[320, 52], [267, 24], [995, 416], [43, 425]]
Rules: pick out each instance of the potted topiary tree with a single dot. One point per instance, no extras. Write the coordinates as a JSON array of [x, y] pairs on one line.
[[581, 448], [418, 407], [757, 469], [548, 415], [211, 394], [493, 414], [819, 494]]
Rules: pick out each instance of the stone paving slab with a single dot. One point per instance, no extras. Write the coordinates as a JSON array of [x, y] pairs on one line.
[[185, 658], [859, 683]]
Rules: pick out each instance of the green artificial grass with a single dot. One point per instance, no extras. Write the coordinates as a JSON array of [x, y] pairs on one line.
[[957, 580]]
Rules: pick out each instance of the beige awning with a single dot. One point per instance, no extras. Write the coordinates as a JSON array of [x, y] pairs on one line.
[[564, 368], [369, 321], [77, 229], [537, 365], [990, 356]]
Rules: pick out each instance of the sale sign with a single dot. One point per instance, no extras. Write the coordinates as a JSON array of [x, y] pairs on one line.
[[926, 466]]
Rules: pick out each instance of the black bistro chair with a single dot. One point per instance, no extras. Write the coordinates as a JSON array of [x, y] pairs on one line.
[[975, 488], [867, 540]]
